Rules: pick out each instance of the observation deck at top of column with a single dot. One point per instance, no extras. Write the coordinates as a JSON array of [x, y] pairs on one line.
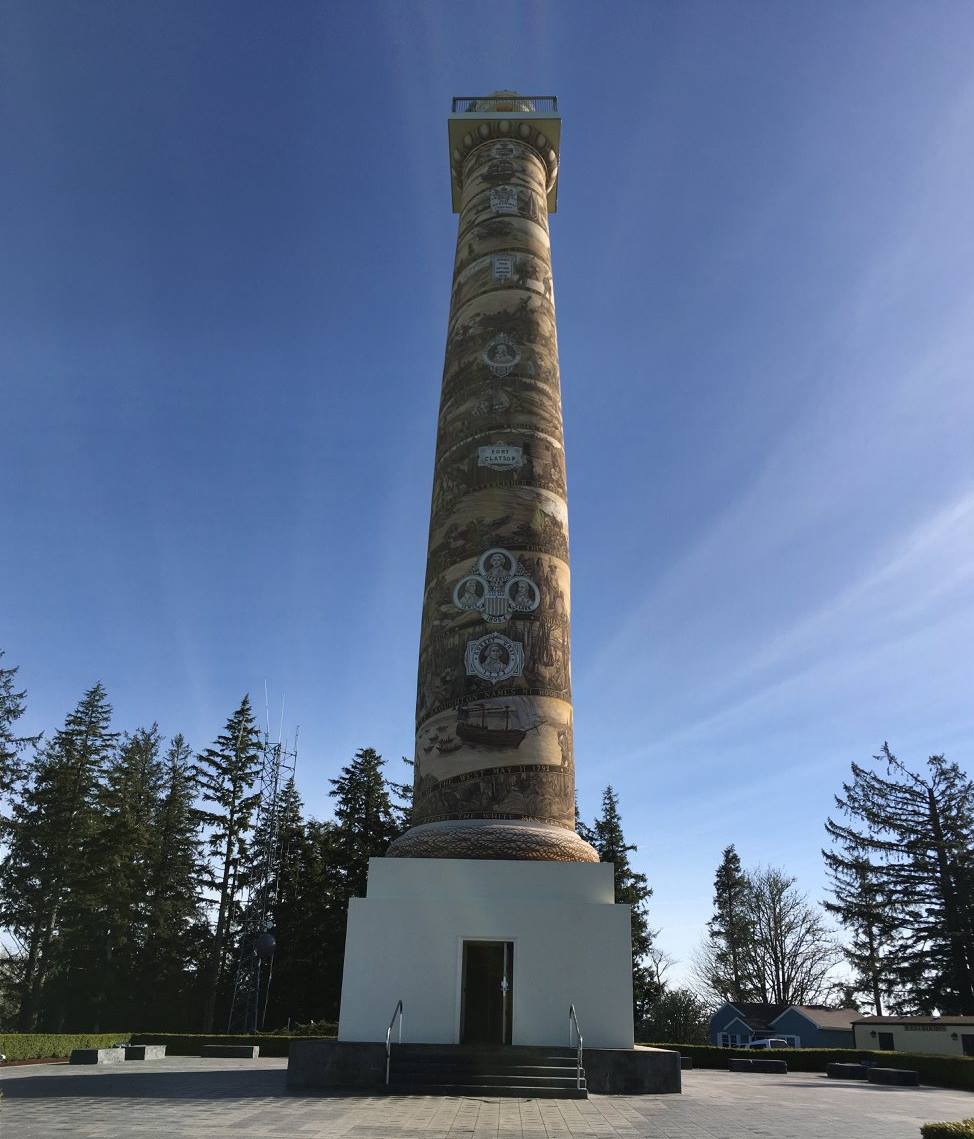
[[532, 119]]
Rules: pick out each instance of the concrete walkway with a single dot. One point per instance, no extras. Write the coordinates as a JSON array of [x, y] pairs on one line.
[[183, 1098]]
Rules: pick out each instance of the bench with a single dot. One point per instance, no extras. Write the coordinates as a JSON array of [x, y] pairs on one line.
[[144, 1051], [97, 1056], [846, 1071], [741, 1065], [230, 1051], [898, 1077]]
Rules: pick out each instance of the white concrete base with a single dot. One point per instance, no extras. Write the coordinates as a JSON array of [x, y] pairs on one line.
[[571, 946]]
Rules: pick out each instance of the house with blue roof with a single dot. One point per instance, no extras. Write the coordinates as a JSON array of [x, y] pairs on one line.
[[739, 1023]]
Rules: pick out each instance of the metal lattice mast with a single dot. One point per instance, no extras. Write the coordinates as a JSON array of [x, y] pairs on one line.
[[257, 942]]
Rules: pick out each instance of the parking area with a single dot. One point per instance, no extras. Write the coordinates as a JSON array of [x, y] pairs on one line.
[[185, 1098]]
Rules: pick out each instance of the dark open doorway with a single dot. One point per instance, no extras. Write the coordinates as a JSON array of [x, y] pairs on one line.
[[487, 992]]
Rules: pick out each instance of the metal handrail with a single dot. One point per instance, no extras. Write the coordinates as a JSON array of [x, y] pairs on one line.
[[573, 1024], [402, 1016], [498, 104]]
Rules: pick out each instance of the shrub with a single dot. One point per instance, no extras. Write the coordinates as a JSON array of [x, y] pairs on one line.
[[54, 1045], [191, 1044], [948, 1130], [939, 1071]]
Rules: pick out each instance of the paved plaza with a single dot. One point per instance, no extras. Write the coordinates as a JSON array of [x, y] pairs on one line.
[[183, 1098]]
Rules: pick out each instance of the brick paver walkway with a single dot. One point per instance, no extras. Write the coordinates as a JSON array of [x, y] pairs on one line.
[[236, 1099]]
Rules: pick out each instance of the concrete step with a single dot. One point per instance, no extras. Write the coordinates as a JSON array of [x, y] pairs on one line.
[[497, 1079], [522, 1091], [429, 1069], [564, 1071]]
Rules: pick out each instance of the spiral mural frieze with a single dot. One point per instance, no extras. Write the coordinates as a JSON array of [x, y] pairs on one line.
[[494, 735]]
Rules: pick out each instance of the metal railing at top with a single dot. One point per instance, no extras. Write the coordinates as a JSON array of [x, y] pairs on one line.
[[573, 1024], [512, 104], [398, 1011]]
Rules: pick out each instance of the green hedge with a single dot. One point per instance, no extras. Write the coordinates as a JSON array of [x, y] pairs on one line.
[[939, 1071], [947, 1130], [47, 1045], [191, 1044]]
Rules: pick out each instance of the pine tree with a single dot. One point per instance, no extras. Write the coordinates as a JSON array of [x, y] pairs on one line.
[[288, 983], [226, 774], [861, 904], [103, 927], [366, 817], [51, 830], [176, 935], [914, 836], [731, 929], [632, 889], [12, 707]]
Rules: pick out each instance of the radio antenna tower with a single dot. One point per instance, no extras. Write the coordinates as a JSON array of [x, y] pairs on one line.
[[255, 964]]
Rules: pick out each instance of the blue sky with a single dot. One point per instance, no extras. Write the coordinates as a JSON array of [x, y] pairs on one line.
[[225, 275]]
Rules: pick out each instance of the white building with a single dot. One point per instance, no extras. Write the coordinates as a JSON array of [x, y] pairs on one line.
[[944, 1035]]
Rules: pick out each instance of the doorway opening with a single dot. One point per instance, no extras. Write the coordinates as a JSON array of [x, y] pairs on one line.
[[487, 992]]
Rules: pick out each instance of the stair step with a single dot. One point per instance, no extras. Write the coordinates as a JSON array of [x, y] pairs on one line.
[[508, 1090], [499, 1079], [563, 1072]]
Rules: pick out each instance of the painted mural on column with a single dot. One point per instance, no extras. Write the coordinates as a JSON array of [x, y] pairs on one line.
[[494, 711]]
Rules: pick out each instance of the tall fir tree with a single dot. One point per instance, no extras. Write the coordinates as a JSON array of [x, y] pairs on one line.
[[51, 830], [103, 925], [914, 836], [367, 818], [632, 889], [731, 930], [226, 773], [287, 984], [176, 934], [861, 903]]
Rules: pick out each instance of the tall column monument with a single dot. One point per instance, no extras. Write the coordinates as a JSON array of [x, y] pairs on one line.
[[492, 918], [494, 775]]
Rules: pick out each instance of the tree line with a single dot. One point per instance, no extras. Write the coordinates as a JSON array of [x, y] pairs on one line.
[[900, 871], [128, 864], [129, 860]]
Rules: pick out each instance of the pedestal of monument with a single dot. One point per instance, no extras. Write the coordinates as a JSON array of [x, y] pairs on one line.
[[426, 929], [485, 955]]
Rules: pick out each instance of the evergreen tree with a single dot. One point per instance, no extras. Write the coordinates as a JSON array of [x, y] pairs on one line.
[[861, 904], [51, 830], [912, 835], [632, 889], [731, 930], [366, 817], [678, 1016], [226, 773], [336, 858], [12, 707], [176, 934], [288, 983], [103, 927]]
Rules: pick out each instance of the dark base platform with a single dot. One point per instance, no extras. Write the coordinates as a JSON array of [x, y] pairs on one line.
[[742, 1065], [445, 1069], [230, 1051], [898, 1077], [846, 1071]]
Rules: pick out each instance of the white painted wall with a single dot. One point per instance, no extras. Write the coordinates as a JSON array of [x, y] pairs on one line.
[[936, 1039], [571, 945]]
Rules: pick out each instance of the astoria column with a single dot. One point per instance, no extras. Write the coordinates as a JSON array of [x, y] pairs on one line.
[[494, 762]]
